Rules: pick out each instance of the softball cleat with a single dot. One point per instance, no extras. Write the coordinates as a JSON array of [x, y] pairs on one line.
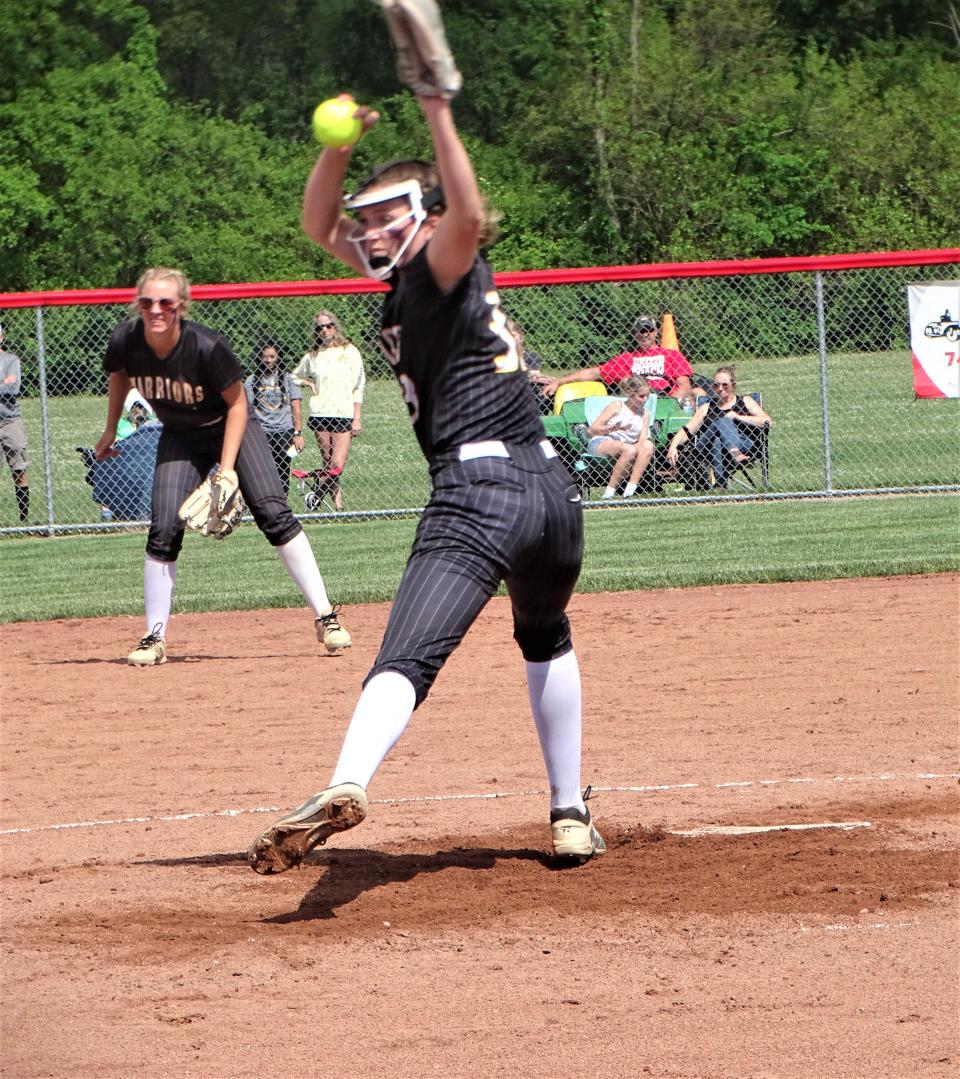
[[331, 634], [575, 836], [286, 843], [150, 652]]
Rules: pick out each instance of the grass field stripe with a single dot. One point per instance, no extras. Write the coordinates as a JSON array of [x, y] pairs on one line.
[[474, 797], [758, 829]]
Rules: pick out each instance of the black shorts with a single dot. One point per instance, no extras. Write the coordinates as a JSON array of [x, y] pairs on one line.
[[185, 457], [334, 425]]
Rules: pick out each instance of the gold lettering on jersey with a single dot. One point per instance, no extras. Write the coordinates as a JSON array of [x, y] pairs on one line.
[[508, 361], [159, 388]]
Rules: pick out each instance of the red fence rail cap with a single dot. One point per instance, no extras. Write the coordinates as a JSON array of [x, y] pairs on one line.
[[512, 278]]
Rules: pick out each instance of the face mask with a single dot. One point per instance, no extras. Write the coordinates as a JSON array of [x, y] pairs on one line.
[[382, 267]]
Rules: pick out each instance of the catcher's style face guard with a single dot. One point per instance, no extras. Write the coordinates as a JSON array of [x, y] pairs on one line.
[[381, 267]]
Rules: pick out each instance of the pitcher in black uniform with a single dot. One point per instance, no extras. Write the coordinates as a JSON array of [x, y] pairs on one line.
[[502, 508], [194, 383]]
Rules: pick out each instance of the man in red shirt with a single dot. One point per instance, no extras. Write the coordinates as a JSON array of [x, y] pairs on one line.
[[666, 369]]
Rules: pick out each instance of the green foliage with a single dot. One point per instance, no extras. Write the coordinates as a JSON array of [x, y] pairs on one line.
[[842, 26]]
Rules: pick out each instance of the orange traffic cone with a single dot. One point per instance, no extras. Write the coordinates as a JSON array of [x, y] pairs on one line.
[[668, 332]]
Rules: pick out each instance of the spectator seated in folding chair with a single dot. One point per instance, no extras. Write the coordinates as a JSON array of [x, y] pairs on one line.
[[732, 432], [621, 432], [571, 436]]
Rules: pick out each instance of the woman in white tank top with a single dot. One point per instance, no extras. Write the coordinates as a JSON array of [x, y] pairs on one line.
[[622, 431]]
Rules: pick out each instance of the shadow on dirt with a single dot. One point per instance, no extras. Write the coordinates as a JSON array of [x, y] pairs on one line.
[[351, 873]]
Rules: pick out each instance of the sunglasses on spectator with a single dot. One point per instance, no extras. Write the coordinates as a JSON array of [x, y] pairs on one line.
[[646, 329], [145, 303], [721, 385], [325, 326]]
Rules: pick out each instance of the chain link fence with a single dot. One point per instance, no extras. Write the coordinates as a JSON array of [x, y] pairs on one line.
[[828, 351]]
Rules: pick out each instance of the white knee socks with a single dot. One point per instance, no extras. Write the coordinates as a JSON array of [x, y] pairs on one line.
[[381, 716], [554, 691], [387, 703], [298, 561], [158, 581]]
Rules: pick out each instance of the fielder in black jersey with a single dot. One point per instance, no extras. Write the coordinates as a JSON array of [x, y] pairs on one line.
[[194, 383], [502, 507]]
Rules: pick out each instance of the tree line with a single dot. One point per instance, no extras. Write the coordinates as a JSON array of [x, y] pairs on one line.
[[604, 131]]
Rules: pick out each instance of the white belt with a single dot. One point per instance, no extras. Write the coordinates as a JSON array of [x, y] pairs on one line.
[[470, 451]]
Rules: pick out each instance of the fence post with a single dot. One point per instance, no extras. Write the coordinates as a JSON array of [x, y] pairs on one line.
[[45, 420], [824, 395]]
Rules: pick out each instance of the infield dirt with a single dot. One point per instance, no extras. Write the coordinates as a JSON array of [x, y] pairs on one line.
[[439, 938]]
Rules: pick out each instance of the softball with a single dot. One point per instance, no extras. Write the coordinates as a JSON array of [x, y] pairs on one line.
[[334, 123]]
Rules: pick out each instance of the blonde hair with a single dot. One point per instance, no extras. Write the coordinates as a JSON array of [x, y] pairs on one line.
[[727, 370], [316, 345], [163, 273], [633, 384]]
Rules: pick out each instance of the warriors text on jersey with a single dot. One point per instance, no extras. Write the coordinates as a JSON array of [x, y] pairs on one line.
[[455, 360], [185, 388]]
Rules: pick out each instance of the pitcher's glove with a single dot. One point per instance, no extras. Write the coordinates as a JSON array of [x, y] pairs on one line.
[[424, 61], [216, 506]]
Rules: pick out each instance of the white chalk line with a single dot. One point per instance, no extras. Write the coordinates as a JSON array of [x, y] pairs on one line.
[[485, 796], [849, 927], [758, 829]]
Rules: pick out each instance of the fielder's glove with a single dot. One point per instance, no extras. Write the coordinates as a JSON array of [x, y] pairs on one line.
[[424, 61], [216, 506]]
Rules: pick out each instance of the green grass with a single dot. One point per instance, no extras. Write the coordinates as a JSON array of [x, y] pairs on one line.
[[881, 437], [646, 547]]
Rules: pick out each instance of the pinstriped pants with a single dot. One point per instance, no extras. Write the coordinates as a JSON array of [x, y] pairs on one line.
[[517, 520], [185, 457]]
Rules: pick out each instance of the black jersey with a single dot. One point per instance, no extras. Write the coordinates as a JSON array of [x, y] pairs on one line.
[[456, 361], [185, 388], [714, 411]]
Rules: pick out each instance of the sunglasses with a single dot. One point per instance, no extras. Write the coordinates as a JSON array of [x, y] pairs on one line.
[[145, 303], [325, 326], [722, 385]]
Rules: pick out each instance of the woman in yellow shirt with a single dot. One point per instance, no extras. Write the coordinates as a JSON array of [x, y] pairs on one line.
[[333, 372]]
